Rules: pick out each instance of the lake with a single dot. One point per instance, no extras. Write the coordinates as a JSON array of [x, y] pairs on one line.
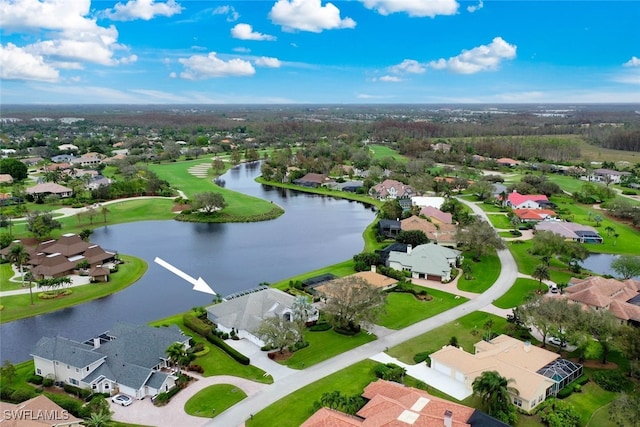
[[315, 231]]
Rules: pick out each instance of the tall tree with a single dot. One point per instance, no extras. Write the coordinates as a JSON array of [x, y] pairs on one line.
[[278, 332], [541, 273], [177, 354], [479, 238], [628, 341], [624, 411], [19, 256], [352, 302], [604, 327], [495, 393], [412, 237], [208, 202], [626, 266], [40, 224]]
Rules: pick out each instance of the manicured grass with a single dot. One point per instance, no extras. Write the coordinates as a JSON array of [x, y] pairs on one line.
[[491, 208], [527, 262], [381, 151], [19, 306], [216, 361], [485, 273], [404, 309], [499, 220], [6, 273], [516, 295], [589, 400], [325, 345], [213, 400], [463, 329], [294, 409], [600, 418]]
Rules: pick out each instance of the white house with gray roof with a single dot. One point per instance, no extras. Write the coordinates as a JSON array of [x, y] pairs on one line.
[[430, 261], [244, 313], [129, 359]]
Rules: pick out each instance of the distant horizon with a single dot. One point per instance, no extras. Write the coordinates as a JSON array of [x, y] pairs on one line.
[[318, 52]]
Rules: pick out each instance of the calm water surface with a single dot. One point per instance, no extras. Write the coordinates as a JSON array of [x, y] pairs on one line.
[[315, 231]]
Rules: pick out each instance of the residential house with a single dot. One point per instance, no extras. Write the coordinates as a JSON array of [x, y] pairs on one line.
[[35, 412], [383, 254], [350, 186], [87, 160], [392, 404], [30, 161], [620, 297], [129, 359], [535, 215], [49, 188], [313, 180], [537, 373], [571, 231], [506, 161], [516, 200], [430, 261], [390, 189], [424, 201], [440, 234], [244, 312], [606, 176], [62, 158], [389, 228], [5, 178], [372, 277], [436, 216]]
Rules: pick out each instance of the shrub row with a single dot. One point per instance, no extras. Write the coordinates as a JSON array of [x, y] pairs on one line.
[[196, 325], [422, 357], [611, 380], [235, 354], [35, 379], [320, 327], [80, 392]]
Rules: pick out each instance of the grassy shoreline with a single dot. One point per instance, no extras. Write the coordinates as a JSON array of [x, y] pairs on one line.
[[18, 307]]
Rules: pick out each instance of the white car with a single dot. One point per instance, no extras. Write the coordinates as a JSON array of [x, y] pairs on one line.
[[122, 399], [556, 341]]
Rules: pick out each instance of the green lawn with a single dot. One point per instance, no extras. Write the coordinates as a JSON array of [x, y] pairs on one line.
[[404, 309], [491, 208], [294, 409], [485, 273], [6, 273], [463, 329], [213, 400], [325, 345], [499, 220], [341, 269], [589, 400], [516, 295], [527, 262], [600, 418], [381, 151], [216, 361], [19, 306]]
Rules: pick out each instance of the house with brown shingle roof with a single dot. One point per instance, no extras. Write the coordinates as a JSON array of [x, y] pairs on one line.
[[372, 277], [313, 180], [392, 404], [47, 188], [620, 297], [436, 216], [390, 189], [440, 234], [537, 373], [39, 411]]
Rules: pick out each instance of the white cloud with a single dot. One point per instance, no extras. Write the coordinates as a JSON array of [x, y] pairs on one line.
[[142, 9], [474, 8], [308, 15], [67, 36], [241, 49], [17, 64], [481, 58], [410, 66], [245, 32], [390, 79], [415, 8], [129, 59], [633, 62], [199, 67], [265, 61], [628, 78], [230, 11]]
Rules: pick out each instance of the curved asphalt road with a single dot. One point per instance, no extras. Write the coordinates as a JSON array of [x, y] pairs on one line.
[[236, 415]]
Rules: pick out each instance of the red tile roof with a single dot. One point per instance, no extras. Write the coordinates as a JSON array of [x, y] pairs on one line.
[[517, 199]]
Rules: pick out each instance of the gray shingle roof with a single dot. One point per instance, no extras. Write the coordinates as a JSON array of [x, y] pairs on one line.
[[157, 379], [426, 259], [246, 312], [66, 351]]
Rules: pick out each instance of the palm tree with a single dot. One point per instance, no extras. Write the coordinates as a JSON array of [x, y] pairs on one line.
[[177, 354], [101, 419], [494, 391], [541, 273], [19, 256], [609, 230]]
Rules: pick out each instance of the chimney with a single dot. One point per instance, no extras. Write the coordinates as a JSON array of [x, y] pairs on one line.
[[96, 342], [448, 418], [373, 269], [527, 346], [409, 249]]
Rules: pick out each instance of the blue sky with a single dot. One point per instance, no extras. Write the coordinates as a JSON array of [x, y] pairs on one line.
[[315, 51]]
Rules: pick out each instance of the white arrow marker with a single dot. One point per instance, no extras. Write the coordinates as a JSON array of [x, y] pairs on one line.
[[198, 284]]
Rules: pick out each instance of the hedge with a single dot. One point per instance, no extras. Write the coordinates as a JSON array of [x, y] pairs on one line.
[[196, 325], [320, 327], [80, 392], [235, 354]]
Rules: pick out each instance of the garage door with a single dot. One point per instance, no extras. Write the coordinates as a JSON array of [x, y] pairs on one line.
[[441, 368]]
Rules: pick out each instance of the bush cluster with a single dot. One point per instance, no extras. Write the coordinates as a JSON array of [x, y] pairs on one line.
[[390, 372], [611, 380], [422, 357], [35, 379], [196, 324], [82, 393], [320, 327], [195, 368]]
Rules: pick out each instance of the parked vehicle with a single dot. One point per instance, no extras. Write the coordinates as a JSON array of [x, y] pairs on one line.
[[122, 399], [556, 341]]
